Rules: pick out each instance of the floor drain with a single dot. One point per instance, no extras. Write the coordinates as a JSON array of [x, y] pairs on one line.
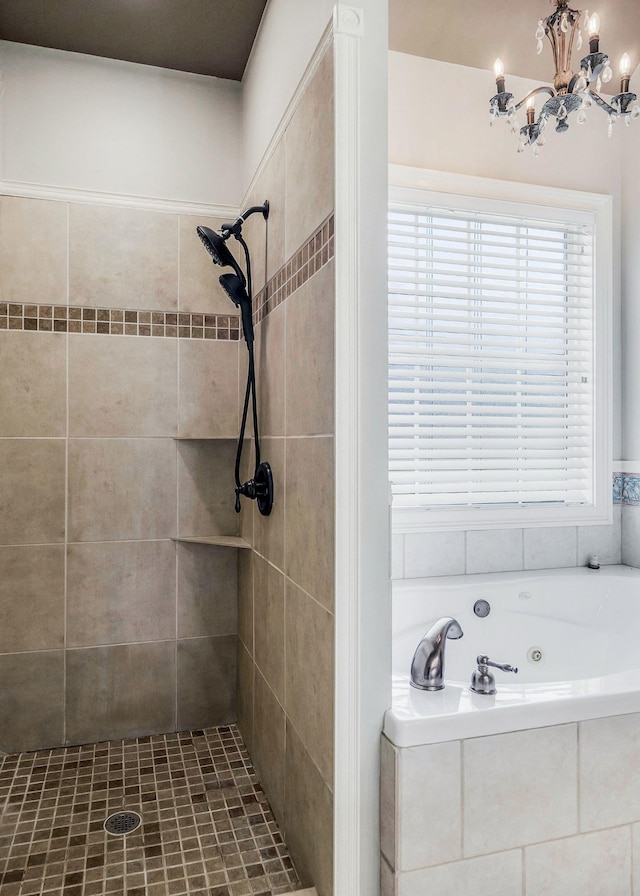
[[122, 823]]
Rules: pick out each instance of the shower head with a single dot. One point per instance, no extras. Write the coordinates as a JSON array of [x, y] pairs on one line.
[[217, 248], [235, 288]]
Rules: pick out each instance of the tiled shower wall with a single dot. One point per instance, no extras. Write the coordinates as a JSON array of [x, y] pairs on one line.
[[114, 339], [286, 621]]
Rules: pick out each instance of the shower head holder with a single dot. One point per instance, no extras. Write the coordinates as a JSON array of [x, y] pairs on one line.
[[235, 229]]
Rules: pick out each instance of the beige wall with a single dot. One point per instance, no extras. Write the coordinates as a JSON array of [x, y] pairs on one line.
[[286, 612], [114, 339]]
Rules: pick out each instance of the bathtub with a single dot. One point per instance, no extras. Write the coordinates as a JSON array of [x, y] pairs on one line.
[[574, 635]]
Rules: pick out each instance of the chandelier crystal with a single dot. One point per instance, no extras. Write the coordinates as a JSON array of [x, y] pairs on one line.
[[572, 92]]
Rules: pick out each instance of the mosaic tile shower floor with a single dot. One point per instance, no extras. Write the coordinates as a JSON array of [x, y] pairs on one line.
[[207, 827]]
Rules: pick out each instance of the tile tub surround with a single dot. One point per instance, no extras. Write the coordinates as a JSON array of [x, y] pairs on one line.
[[207, 827], [505, 550], [545, 811]]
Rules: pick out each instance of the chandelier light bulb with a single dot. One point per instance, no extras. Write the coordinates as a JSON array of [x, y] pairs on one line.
[[498, 68], [594, 26], [625, 65]]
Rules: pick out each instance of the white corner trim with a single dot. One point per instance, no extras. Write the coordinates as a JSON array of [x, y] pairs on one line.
[[347, 796], [348, 20], [91, 197]]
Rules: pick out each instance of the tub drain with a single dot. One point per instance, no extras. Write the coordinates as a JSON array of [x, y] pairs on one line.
[[122, 823], [535, 655]]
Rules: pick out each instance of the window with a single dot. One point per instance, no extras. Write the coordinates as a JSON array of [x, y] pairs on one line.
[[499, 330]]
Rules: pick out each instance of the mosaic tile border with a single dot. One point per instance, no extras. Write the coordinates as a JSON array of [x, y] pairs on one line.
[[117, 322], [626, 488], [313, 255], [207, 827]]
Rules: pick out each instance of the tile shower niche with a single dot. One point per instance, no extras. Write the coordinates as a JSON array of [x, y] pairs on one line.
[[206, 513]]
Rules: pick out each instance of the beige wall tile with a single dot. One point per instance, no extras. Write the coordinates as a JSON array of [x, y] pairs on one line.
[[269, 746], [268, 534], [121, 489], [269, 622], [598, 864], [497, 875], [31, 700], [609, 778], [245, 599], [388, 800], [123, 258], [310, 158], [122, 691], [120, 592], [310, 356], [32, 473], [244, 695], [209, 388], [309, 522], [429, 786], [206, 488], [122, 386], [310, 676], [512, 773], [207, 590], [270, 372], [200, 291], [206, 682], [34, 392], [33, 250], [31, 598], [308, 817], [266, 242]]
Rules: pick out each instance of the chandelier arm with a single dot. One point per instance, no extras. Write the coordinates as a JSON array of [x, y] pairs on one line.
[[534, 92], [602, 103]]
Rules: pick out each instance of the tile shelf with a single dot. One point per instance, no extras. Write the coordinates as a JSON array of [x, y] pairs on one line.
[[224, 541]]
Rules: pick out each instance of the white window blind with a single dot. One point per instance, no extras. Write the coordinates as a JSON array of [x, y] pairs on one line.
[[491, 359]]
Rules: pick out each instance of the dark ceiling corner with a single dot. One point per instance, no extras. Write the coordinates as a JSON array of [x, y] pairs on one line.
[[206, 37]]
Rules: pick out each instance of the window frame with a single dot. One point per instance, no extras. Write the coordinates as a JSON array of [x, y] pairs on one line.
[[420, 188]]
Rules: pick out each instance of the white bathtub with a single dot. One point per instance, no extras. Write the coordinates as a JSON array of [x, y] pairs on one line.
[[585, 623]]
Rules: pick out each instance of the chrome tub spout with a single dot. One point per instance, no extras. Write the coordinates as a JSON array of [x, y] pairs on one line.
[[427, 668]]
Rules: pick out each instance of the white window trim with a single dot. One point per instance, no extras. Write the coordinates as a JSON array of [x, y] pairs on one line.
[[409, 185]]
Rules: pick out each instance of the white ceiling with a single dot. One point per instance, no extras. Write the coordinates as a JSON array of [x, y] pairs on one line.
[[475, 32]]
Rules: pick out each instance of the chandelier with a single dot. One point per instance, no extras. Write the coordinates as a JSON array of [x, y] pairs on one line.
[[572, 92]]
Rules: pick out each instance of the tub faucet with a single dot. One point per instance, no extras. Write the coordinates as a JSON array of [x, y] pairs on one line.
[[427, 668]]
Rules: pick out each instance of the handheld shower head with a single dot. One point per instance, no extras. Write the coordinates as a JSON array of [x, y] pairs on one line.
[[235, 289], [217, 248]]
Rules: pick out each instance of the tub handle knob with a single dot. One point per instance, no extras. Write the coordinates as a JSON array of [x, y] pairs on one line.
[[504, 667], [483, 681]]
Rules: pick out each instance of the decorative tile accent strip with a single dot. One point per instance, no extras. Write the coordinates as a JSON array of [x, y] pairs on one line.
[[313, 255], [206, 824], [631, 489], [117, 322], [618, 487]]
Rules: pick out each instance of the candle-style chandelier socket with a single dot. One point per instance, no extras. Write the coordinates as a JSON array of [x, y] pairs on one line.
[[571, 91]]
